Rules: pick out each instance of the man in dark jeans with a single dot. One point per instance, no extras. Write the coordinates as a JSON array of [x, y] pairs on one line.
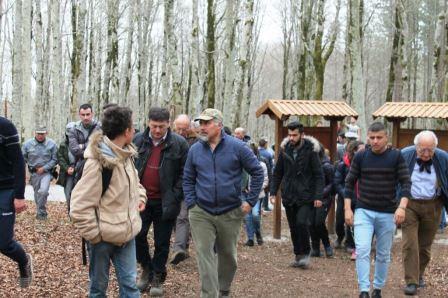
[[160, 163], [299, 171], [12, 200]]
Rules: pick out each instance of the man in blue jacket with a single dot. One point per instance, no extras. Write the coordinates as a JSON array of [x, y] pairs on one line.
[[212, 189], [428, 166]]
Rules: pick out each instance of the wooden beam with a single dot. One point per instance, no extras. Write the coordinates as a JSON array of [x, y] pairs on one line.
[[277, 206]]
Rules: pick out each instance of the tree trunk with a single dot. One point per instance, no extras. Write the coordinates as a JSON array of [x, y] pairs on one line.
[[110, 83], [355, 28], [125, 75], [228, 78], [27, 101], [244, 64], [17, 68], [196, 86], [322, 54], [210, 41]]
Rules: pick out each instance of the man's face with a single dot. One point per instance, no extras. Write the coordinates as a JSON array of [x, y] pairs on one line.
[[208, 129], [182, 128], [294, 136], [158, 129], [40, 137], [86, 116], [425, 148], [239, 134], [377, 140]]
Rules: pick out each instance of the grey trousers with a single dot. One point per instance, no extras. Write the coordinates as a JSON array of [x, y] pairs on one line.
[[41, 186], [216, 270], [68, 189], [182, 235]]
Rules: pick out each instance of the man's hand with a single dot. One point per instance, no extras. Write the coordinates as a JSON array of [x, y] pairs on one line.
[[40, 170], [141, 206], [70, 171], [19, 205], [317, 203], [246, 207], [399, 215], [272, 199], [348, 216]]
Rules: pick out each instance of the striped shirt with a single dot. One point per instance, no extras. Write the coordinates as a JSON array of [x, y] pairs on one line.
[[378, 176], [12, 166]]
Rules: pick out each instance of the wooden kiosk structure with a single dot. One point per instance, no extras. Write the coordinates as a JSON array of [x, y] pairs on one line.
[[397, 112], [281, 110]]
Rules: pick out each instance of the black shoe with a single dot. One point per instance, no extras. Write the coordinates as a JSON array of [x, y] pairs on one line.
[[26, 273], [328, 251], [364, 295], [410, 289], [376, 293], [295, 263], [224, 294], [421, 282], [249, 242], [315, 253], [156, 287], [178, 257], [259, 238]]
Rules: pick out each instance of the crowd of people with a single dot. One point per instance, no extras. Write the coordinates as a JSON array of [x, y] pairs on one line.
[[201, 180]]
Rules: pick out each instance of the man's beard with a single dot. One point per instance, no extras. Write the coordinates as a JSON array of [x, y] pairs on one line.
[[203, 137]]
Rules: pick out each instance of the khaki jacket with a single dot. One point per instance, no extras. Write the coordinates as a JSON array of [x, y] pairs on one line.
[[114, 217]]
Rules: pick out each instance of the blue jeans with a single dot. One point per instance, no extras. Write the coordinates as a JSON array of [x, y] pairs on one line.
[[253, 221], [125, 263], [368, 223], [443, 221], [8, 246]]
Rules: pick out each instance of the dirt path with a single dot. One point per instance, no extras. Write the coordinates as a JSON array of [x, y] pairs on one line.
[[263, 270]]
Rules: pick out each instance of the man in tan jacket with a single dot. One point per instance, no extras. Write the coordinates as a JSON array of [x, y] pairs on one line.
[[109, 218]]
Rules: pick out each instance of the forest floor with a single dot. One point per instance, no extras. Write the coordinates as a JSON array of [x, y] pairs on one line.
[[263, 271]]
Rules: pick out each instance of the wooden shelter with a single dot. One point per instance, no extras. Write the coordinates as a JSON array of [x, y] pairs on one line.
[[397, 112], [281, 110]]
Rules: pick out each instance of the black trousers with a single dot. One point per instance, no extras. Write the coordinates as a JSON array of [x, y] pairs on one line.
[[298, 220], [8, 245], [343, 231], [318, 230], [162, 235]]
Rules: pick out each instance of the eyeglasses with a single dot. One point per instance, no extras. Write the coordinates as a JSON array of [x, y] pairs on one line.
[[425, 150]]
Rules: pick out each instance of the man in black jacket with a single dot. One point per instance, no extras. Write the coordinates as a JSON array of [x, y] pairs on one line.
[[12, 200], [298, 170], [161, 158]]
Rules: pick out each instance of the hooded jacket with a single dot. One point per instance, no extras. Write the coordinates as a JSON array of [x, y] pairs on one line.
[[113, 217], [301, 179]]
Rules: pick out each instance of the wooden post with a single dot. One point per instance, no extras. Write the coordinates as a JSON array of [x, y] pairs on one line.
[[277, 206], [333, 156], [396, 132]]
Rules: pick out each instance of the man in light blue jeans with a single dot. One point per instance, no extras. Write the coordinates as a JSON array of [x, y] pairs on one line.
[[368, 222], [374, 175]]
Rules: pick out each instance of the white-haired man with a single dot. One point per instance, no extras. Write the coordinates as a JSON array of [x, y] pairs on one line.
[[428, 167]]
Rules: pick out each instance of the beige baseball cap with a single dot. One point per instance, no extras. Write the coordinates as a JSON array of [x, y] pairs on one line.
[[209, 114]]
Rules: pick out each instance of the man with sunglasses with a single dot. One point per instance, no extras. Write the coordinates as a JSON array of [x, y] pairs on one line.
[[428, 166], [161, 158]]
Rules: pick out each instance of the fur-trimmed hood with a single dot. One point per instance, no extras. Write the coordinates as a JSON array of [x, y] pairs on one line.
[[314, 142], [107, 153]]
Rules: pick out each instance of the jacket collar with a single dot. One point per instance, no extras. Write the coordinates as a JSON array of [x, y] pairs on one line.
[[107, 153]]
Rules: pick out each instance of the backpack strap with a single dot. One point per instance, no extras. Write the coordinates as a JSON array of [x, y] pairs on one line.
[[106, 177]]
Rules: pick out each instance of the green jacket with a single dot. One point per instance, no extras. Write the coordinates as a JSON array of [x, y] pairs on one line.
[[64, 162]]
